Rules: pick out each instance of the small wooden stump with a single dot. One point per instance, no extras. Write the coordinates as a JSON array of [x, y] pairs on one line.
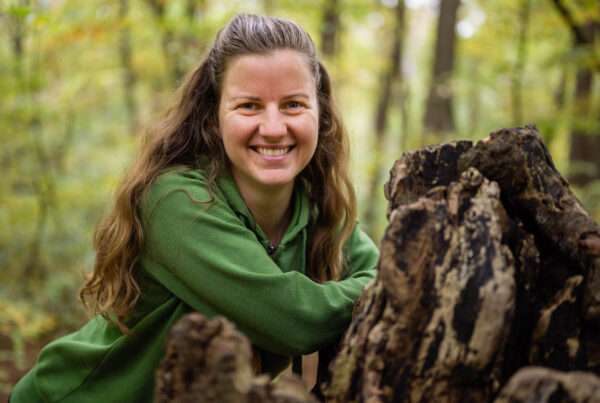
[[543, 385], [209, 361]]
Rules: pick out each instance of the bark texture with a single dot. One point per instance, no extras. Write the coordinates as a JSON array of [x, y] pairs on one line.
[[543, 385], [489, 264], [209, 361]]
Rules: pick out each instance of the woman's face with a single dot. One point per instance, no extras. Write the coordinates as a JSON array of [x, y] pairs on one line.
[[269, 118]]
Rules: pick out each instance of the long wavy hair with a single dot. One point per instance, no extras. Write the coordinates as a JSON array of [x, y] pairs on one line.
[[189, 135]]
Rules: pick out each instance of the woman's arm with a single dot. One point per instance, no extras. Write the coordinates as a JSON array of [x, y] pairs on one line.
[[210, 260]]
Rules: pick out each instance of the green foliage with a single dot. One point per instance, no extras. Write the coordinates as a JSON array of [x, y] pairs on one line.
[[589, 196], [25, 321]]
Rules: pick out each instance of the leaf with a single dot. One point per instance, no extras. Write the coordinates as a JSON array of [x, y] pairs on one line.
[[21, 12]]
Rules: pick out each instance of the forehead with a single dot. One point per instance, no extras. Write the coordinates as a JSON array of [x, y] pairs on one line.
[[279, 68]]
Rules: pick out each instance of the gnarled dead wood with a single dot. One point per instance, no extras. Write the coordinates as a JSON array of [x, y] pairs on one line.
[[439, 315], [543, 385], [489, 264], [209, 361]]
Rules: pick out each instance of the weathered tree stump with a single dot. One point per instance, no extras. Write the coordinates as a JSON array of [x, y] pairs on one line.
[[489, 264], [488, 288], [543, 385], [209, 361]]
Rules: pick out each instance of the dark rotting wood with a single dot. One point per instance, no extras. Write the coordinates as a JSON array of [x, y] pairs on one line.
[[436, 322], [543, 385], [489, 264], [207, 360]]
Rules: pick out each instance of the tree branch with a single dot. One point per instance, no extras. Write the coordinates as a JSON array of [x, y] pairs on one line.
[[581, 37]]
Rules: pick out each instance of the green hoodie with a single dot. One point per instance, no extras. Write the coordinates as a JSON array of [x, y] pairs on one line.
[[211, 257]]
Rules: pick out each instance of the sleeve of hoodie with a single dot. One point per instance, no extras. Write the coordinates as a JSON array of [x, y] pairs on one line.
[[205, 256]]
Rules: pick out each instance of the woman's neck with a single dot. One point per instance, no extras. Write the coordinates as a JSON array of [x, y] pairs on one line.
[[270, 209]]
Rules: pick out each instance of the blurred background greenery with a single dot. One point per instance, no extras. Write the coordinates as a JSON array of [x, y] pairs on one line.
[[81, 81]]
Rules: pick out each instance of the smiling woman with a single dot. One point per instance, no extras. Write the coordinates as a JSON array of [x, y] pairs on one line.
[[269, 121], [240, 205]]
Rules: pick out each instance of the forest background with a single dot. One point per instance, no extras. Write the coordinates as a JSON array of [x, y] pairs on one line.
[[81, 81]]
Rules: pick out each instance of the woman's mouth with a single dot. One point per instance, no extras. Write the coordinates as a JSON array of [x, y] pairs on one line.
[[272, 152]]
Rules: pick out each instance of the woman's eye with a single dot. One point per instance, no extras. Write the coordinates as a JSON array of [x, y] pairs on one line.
[[294, 105], [248, 105]]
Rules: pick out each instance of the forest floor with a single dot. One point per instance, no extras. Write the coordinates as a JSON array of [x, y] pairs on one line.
[[13, 369]]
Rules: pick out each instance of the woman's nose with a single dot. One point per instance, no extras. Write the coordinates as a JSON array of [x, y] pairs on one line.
[[272, 124]]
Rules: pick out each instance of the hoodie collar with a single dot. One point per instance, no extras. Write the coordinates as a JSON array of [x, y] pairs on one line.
[[300, 207]]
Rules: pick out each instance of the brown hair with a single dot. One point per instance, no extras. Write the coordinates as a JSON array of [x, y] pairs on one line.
[[189, 136]]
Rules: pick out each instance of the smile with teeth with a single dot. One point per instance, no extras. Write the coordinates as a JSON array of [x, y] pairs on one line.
[[272, 152]]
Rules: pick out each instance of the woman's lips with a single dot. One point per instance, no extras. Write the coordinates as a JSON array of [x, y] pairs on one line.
[[272, 152]]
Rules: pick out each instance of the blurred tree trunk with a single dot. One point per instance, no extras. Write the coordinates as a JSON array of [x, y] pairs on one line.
[[391, 78], [16, 30], [585, 142], [191, 44], [171, 49], [474, 99], [438, 116], [40, 177], [195, 7], [129, 77], [585, 139], [330, 28], [181, 51], [517, 77], [561, 90]]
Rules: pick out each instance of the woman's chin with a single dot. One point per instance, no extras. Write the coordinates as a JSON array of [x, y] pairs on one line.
[[277, 183]]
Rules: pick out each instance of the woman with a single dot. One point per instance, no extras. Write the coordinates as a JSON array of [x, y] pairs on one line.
[[239, 205]]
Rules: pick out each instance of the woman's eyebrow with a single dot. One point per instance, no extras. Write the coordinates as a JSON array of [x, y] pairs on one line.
[[297, 94], [249, 97], [255, 98]]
